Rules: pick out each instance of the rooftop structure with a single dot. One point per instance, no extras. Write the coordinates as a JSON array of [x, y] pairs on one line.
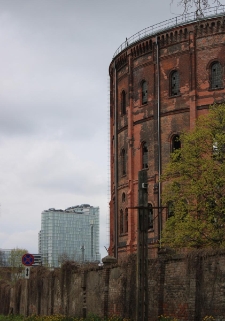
[[183, 19]]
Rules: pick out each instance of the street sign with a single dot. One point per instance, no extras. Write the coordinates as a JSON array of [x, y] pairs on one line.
[[27, 272], [27, 259]]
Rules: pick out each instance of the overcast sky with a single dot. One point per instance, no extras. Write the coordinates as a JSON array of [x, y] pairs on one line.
[[54, 108]]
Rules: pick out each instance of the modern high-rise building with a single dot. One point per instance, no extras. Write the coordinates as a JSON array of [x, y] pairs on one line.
[[71, 234]]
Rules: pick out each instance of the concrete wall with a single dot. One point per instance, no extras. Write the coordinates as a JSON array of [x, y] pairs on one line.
[[186, 286]]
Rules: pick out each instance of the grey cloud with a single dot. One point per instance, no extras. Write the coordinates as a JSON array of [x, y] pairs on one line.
[[54, 61]]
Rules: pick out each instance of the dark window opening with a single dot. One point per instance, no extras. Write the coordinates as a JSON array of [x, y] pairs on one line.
[[175, 86], [144, 155], [121, 221], [150, 216], [144, 93], [170, 209], [176, 144], [126, 221], [216, 75], [123, 103], [123, 197], [123, 161]]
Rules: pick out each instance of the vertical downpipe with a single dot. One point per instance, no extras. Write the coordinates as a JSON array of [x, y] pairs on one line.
[[115, 167], [159, 144]]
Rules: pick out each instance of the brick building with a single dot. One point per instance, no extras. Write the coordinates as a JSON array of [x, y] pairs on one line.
[[161, 80]]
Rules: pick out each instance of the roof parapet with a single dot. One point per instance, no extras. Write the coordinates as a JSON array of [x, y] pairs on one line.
[[180, 20]]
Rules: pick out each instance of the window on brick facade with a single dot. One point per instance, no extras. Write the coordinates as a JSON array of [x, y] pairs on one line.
[[123, 162], [170, 209], [144, 155], [174, 83], [176, 144], [123, 103], [126, 221], [216, 75], [121, 221], [150, 216], [123, 197], [144, 93]]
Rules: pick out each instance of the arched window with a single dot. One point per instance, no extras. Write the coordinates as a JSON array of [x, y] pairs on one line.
[[121, 221], [144, 93], [144, 155], [123, 161], [170, 209], [174, 83], [175, 143], [123, 197], [126, 221], [216, 75], [123, 103], [150, 216]]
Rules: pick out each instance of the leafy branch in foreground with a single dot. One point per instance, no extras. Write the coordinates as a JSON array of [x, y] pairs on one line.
[[194, 183]]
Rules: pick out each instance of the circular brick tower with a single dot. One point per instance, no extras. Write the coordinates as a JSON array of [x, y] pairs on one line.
[[161, 80]]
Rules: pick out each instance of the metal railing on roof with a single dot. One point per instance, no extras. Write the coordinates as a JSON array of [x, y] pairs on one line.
[[185, 18]]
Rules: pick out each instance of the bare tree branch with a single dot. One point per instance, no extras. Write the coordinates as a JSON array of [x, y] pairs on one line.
[[199, 5]]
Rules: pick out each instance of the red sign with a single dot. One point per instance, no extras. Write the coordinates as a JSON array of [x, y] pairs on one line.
[[28, 259]]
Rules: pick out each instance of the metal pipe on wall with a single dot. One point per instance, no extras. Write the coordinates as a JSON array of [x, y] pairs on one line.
[[115, 167], [159, 143]]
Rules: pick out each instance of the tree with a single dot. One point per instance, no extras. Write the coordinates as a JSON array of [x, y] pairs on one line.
[[15, 258], [195, 185], [199, 5], [2, 261], [15, 262]]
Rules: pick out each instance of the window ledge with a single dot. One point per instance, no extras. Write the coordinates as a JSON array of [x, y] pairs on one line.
[[213, 89], [123, 234], [174, 96]]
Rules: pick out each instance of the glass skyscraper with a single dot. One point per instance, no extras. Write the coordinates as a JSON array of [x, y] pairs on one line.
[[71, 234]]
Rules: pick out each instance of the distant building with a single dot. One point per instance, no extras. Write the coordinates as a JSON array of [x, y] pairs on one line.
[[71, 234], [5, 256]]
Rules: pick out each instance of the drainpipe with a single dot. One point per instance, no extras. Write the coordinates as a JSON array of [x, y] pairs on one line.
[[115, 167], [159, 143]]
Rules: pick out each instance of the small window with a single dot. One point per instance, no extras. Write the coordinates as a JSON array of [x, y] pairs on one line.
[[216, 75], [121, 221], [218, 151], [176, 143], [126, 221], [215, 148], [123, 161], [123, 197], [144, 155], [174, 83], [123, 103], [170, 209], [150, 216], [144, 93]]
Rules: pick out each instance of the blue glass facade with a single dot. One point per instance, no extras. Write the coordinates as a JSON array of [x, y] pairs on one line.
[[72, 234]]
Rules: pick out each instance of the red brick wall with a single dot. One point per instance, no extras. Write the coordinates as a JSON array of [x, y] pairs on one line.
[[188, 287], [188, 49]]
